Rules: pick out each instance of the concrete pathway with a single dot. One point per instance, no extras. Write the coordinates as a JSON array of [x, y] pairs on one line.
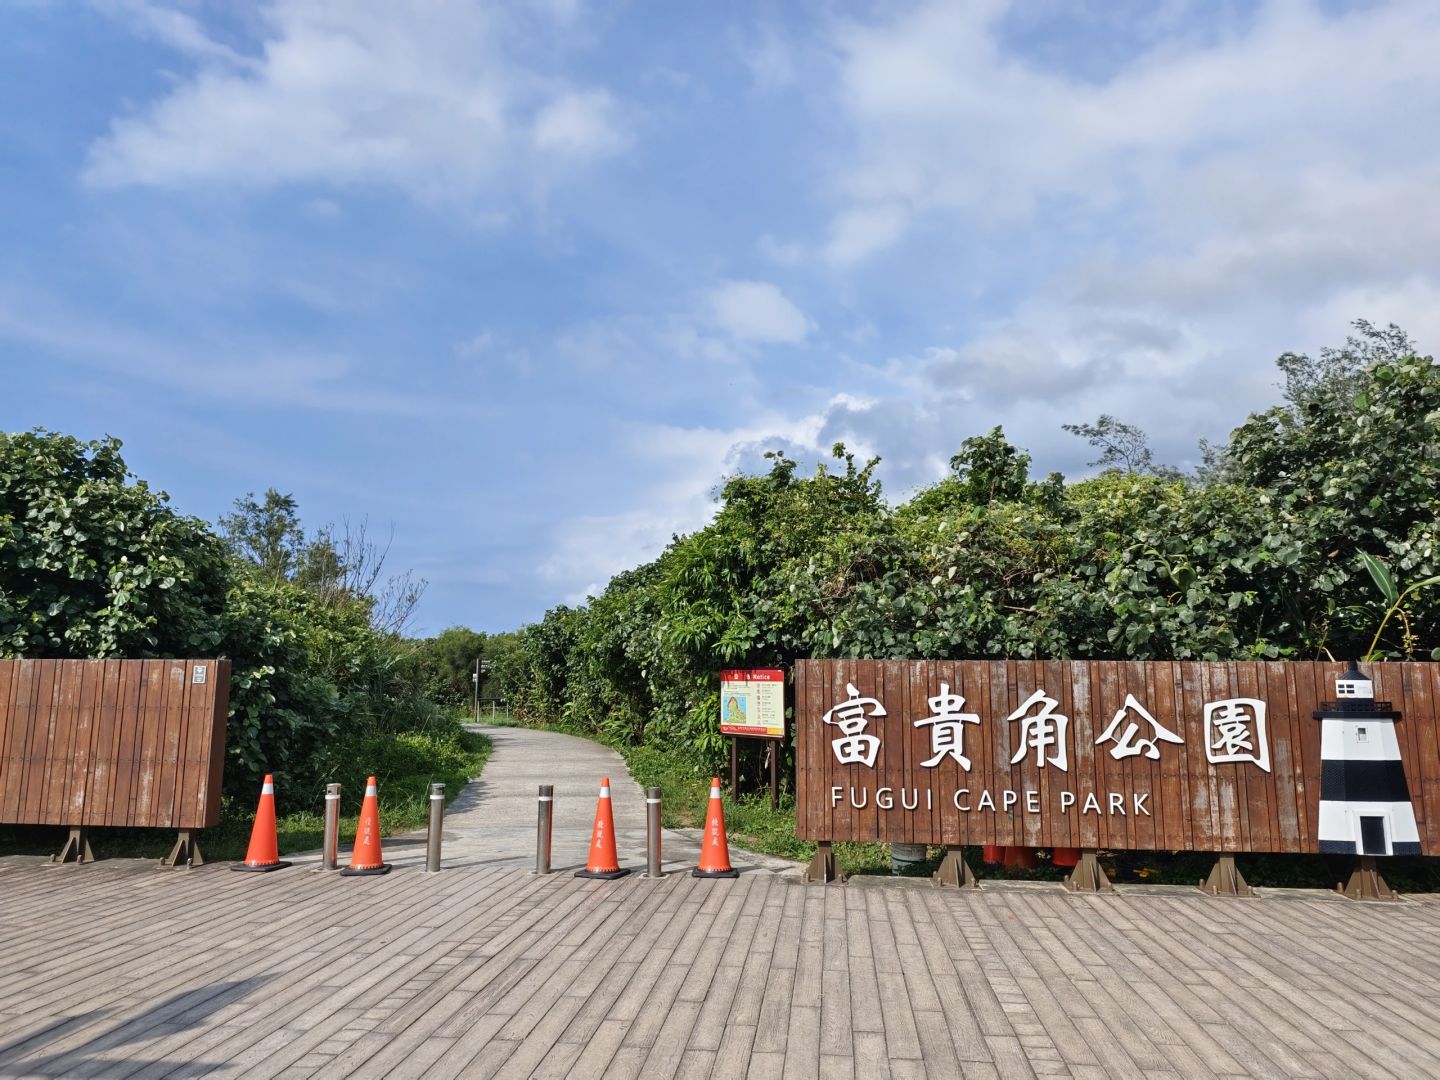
[[493, 821], [123, 969]]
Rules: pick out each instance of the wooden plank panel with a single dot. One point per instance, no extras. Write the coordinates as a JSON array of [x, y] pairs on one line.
[[1147, 831], [152, 707], [1289, 783], [60, 741], [1251, 782], [100, 803], [1167, 798], [10, 728], [127, 723], [1312, 686], [1418, 699], [802, 766], [216, 745], [89, 742], [1094, 829], [1032, 776], [82, 751], [38, 741], [1054, 676], [995, 700], [7, 714], [869, 680], [172, 734]]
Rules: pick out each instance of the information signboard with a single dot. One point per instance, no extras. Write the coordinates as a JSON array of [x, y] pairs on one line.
[[752, 703]]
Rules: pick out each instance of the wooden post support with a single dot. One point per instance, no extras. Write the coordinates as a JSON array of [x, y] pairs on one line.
[[775, 748], [954, 870], [1226, 880], [1366, 883], [186, 851], [1088, 875], [77, 847], [822, 868]]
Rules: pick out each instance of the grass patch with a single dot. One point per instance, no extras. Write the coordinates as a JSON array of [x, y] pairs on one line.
[[404, 764]]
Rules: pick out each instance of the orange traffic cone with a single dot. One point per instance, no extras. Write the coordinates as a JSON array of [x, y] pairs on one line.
[[366, 858], [264, 851], [714, 850], [603, 861]]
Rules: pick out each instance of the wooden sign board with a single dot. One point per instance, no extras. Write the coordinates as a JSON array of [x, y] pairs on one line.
[[112, 742], [1172, 756]]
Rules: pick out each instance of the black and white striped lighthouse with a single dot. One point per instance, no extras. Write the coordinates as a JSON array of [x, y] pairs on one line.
[[1365, 806]]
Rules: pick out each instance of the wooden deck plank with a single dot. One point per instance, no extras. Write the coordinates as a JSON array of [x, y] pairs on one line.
[[493, 971]]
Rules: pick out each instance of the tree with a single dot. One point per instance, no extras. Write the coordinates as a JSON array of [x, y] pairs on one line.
[[445, 663], [339, 568], [266, 534], [990, 469], [1338, 375], [93, 562], [1122, 446]]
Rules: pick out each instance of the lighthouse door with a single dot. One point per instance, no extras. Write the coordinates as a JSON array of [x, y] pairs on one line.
[[1372, 835]]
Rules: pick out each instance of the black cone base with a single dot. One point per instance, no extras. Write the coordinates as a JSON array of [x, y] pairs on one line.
[[373, 871], [697, 872], [604, 875], [246, 868]]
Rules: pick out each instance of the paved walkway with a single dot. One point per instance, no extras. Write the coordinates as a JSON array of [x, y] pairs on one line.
[[493, 821], [123, 969]]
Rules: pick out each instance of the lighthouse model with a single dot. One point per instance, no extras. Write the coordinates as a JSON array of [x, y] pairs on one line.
[[1365, 804]]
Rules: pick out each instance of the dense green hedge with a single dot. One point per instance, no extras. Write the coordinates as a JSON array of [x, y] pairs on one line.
[[1259, 557]]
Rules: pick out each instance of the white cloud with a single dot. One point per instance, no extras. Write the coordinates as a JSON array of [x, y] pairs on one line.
[[757, 311], [947, 120], [779, 252], [861, 231], [171, 27], [434, 99], [478, 345], [233, 370], [685, 465], [770, 59], [580, 125]]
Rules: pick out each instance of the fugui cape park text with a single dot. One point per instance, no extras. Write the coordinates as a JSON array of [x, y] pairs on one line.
[[967, 801]]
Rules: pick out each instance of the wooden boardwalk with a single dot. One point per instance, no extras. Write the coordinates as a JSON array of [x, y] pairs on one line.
[[120, 969]]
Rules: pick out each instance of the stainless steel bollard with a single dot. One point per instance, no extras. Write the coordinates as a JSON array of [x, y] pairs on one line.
[[652, 832], [437, 824], [542, 829], [330, 855]]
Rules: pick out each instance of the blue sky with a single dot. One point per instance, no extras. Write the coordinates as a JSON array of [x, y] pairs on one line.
[[527, 280]]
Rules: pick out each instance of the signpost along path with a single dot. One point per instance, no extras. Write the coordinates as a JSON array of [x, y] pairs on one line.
[[752, 706], [1143, 756]]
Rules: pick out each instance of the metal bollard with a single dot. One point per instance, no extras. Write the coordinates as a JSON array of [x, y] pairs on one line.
[[652, 832], [437, 823], [542, 829], [330, 855]]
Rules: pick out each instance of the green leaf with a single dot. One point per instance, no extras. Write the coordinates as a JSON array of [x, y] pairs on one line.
[[1380, 574]]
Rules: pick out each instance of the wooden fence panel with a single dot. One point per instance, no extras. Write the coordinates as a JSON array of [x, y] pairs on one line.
[[112, 742], [1166, 755]]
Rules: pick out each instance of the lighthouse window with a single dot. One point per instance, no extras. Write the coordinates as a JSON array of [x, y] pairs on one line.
[[1359, 734]]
